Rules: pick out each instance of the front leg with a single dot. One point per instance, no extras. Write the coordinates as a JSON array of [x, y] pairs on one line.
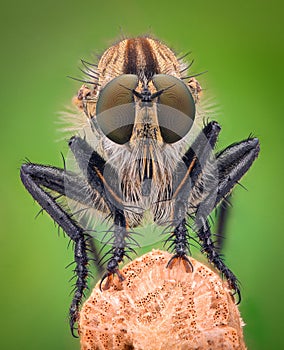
[[94, 168], [118, 250], [187, 176], [180, 241]]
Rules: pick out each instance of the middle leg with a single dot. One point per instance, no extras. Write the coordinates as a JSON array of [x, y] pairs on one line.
[[232, 164]]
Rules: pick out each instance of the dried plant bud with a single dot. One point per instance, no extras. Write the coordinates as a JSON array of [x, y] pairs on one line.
[[160, 308]]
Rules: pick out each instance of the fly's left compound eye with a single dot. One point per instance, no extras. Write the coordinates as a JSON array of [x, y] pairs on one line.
[[115, 109], [176, 107]]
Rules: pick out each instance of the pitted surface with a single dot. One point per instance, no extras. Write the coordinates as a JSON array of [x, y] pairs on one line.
[[160, 308]]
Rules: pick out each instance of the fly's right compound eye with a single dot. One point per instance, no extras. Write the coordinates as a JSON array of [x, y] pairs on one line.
[[115, 110]]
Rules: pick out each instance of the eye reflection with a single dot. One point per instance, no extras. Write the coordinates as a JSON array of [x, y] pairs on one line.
[[115, 108], [176, 107]]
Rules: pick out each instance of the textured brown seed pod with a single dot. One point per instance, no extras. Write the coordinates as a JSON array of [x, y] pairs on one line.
[[160, 308]]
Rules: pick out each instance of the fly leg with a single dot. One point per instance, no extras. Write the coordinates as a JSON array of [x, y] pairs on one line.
[[222, 220], [187, 176], [232, 164], [38, 180], [94, 169], [205, 182]]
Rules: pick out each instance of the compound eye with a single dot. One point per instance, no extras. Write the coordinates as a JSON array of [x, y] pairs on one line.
[[176, 107], [115, 110]]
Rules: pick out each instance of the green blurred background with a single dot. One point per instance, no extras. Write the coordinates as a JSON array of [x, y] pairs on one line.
[[241, 45]]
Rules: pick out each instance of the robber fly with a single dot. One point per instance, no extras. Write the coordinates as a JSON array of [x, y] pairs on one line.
[[142, 153]]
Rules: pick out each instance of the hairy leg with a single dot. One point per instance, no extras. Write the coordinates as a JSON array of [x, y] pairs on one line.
[[32, 180], [232, 164], [187, 175], [94, 168], [223, 212]]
